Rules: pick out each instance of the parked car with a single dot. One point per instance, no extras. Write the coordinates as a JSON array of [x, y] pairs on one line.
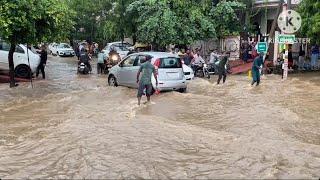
[[20, 59], [121, 48], [188, 72], [52, 47], [169, 69], [63, 49]]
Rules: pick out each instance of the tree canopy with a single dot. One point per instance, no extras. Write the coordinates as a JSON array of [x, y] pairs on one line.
[[32, 21], [158, 22], [310, 14]]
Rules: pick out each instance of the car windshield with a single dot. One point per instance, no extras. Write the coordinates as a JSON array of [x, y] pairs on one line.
[[168, 62], [64, 46], [118, 47]]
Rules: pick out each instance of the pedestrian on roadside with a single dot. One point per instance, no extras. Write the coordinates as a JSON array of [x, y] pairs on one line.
[[147, 69], [314, 57], [101, 62], [43, 62], [290, 58], [77, 51], [222, 67], [256, 66], [302, 54]]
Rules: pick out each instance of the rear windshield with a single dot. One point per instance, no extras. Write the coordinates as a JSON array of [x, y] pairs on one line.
[[169, 62]]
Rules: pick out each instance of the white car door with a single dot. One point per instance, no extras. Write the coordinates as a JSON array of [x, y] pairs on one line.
[[4, 51], [124, 70], [20, 56], [134, 70]]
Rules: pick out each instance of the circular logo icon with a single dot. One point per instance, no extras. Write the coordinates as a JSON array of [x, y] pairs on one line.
[[289, 21]]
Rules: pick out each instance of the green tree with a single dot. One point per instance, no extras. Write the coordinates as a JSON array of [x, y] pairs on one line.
[[163, 22], [32, 21], [90, 18], [310, 13], [225, 17]]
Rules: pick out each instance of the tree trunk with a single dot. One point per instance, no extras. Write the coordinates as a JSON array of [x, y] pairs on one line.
[[11, 65]]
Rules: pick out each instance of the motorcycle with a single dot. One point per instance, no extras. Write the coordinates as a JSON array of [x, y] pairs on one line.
[[113, 59], [83, 68], [198, 70], [209, 69]]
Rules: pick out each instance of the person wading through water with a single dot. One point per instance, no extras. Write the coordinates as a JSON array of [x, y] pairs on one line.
[[145, 81], [222, 69], [256, 66], [43, 61]]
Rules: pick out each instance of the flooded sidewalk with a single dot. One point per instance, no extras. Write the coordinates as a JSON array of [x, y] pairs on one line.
[[75, 126]]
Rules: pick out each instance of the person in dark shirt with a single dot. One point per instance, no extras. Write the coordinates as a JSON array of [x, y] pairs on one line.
[[222, 69], [314, 57], [43, 62], [290, 59], [85, 58], [256, 66], [188, 57]]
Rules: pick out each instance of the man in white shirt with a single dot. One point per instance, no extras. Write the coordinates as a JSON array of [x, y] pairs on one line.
[[214, 56], [197, 61]]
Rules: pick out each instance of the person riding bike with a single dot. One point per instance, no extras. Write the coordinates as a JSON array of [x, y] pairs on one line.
[[197, 61], [113, 53], [85, 58], [214, 59]]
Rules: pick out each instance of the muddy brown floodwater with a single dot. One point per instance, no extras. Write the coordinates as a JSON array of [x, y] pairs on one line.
[[73, 126]]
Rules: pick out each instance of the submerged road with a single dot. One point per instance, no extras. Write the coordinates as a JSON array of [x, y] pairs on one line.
[[75, 126]]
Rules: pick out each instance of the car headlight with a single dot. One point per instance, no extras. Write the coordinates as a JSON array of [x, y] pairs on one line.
[[114, 57]]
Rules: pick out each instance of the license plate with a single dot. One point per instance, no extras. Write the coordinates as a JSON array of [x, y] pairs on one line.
[[173, 75]]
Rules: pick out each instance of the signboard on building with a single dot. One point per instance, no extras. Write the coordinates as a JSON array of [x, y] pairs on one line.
[[262, 47], [232, 44], [286, 38]]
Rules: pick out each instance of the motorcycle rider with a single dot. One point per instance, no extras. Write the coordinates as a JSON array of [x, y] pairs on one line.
[[197, 61], [214, 58], [85, 58], [112, 52]]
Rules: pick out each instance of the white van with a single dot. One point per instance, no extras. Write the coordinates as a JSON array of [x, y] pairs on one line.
[[20, 59]]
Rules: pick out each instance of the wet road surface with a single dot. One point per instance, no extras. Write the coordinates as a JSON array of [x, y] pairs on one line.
[[75, 126]]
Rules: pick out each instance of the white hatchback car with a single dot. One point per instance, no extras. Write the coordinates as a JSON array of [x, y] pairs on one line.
[[169, 68], [20, 59], [63, 49]]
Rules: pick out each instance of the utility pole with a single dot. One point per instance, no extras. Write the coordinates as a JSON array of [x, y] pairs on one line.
[[286, 60], [288, 4], [122, 21]]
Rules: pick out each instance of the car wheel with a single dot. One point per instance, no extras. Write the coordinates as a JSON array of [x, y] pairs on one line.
[[183, 90], [112, 81], [22, 71]]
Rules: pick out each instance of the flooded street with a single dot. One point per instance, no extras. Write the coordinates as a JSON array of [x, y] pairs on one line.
[[75, 126]]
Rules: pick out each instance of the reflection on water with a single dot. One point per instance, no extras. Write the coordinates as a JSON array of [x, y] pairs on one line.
[[73, 126]]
